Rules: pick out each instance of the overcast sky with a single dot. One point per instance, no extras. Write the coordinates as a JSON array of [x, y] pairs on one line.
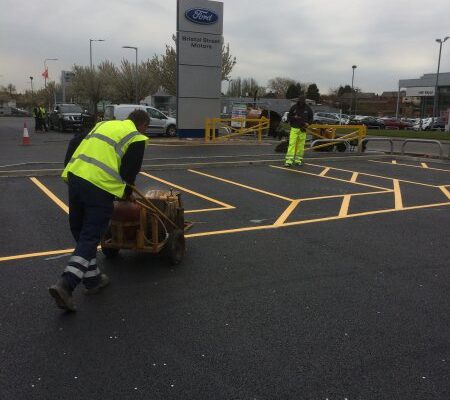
[[306, 40]]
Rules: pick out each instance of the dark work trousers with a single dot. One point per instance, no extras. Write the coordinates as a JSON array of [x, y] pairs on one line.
[[90, 210]]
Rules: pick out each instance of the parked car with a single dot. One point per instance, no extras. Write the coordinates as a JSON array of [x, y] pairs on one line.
[[329, 118], [370, 122], [159, 122], [66, 116], [20, 112], [427, 124], [392, 123]]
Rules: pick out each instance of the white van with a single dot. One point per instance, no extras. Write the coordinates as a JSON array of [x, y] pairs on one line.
[[159, 123]]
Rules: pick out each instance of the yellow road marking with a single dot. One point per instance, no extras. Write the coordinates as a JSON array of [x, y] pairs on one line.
[[345, 204], [55, 199], [423, 165], [397, 195], [220, 203], [329, 177], [247, 229], [334, 196], [324, 172], [241, 185], [310, 221], [283, 217], [39, 254], [208, 210], [445, 190], [354, 177], [376, 176]]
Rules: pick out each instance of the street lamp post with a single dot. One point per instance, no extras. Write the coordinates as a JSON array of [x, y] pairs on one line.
[[351, 98], [436, 88], [31, 82], [90, 49], [136, 75], [45, 69]]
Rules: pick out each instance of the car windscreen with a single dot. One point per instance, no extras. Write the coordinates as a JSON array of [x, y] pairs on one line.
[[70, 108]]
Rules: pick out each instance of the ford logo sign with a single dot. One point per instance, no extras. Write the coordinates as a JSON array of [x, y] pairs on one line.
[[201, 16]]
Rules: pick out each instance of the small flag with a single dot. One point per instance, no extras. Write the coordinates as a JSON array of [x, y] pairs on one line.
[[45, 73]]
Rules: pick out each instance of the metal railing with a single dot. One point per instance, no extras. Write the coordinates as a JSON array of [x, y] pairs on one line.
[[246, 126], [371, 139], [441, 148]]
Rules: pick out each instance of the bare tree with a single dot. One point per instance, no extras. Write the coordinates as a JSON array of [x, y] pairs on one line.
[[280, 86]]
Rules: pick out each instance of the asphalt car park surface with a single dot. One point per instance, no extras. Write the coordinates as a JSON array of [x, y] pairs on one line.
[[327, 281]]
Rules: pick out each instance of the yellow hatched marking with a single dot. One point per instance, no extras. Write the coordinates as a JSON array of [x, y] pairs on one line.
[[397, 195], [324, 172], [241, 185], [424, 165], [445, 190], [311, 221], [412, 166], [334, 196], [246, 229], [220, 203], [329, 177], [354, 177], [376, 176], [283, 217], [345, 205], [55, 199]]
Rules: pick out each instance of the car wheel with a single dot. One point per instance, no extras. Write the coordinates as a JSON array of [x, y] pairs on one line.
[[171, 131], [61, 126]]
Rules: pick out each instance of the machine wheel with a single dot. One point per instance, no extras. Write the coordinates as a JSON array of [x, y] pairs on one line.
[[175, 247], [171, 131], [110, 252]]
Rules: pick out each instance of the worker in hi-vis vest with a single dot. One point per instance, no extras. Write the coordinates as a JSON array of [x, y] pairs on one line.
[[99, 168], [299, 116]]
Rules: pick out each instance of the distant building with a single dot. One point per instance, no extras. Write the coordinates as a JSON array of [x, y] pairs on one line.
[[421, 92]]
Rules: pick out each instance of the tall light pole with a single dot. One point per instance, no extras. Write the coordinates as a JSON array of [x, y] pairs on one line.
[[436, 88], [31, 82], [136, 77], [45, 69], [351, 99], [90, 49]]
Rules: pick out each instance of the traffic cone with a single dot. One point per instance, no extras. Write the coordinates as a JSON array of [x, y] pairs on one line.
[[25, 136]]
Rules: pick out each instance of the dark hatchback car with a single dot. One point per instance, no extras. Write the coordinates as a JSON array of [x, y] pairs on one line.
[[65, 117], [370, 122]]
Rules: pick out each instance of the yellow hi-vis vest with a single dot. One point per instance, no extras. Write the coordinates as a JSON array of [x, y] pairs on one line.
[[98, 157]]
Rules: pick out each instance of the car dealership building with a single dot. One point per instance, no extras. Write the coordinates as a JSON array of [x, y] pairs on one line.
[[421, 93]]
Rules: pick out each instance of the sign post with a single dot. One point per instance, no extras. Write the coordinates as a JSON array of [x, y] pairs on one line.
[[199, 64]]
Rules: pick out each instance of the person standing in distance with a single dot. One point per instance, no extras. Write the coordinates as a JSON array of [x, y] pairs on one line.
[[100, 167], [300, 116]]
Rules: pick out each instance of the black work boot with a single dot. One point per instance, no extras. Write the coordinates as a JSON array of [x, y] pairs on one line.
[[62, 294], [104, 281]]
